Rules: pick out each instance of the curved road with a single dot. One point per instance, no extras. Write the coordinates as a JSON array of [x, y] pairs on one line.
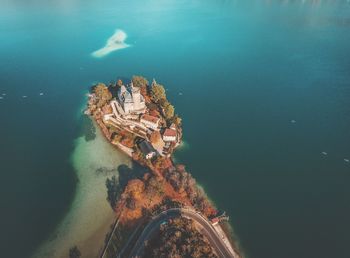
[[208, 230]]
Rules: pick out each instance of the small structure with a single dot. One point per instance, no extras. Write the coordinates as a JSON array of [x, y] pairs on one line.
[[169, 135], [150, 121], [147, 149], [131, 99], [173, 126], [215, 221], [221, 217]]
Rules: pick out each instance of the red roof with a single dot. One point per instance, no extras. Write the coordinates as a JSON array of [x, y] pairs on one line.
[[214, 220], [169, 132], [149, 118]]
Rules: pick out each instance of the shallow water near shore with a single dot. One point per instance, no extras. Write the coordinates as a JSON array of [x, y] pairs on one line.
[[90, 215]]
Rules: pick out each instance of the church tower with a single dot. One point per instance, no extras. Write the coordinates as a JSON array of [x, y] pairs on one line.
[[136, 97]]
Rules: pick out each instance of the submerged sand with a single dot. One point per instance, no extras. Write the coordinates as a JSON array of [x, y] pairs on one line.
[[90, 216], [114, 43]]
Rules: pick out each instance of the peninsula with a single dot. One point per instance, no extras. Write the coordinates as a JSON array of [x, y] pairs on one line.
[[160, 212]]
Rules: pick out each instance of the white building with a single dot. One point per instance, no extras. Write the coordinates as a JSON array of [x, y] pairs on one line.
[[131, 100], [150, 121], [169, 135]]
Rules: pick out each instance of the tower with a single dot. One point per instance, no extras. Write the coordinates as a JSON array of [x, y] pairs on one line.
[[136, 97]]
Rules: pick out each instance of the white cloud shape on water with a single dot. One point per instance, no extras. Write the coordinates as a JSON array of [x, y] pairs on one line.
[[114, 43]]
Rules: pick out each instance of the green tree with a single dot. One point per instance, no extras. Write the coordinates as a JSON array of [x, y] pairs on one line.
[[169, 112], [163, 103], [177, 120], [103, 94], [139, 81], [158, 92], [74, 252]]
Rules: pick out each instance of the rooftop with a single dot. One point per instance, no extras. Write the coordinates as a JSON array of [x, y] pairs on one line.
[[169, 132], [149, 118]]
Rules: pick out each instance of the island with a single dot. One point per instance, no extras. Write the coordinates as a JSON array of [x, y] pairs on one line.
[[160, 210]]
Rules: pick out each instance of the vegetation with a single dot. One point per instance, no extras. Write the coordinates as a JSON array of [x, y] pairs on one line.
[[103, 94], [164, 188], [139, 81], [159, 97], [178, 238], [154, 186], [166, 204], [124, 137], [169, 112], [74, 252], [177, 120], [158, 92], [182, 181]]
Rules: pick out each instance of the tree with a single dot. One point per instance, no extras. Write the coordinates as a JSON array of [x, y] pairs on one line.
[[169, 112], [163, 103], [131, 203], [119, 82], [158, 92], [179, 237], [151, 106], [180, 168], [103, 94], [139, 81], [154, 187], [74, 252], [177, 120]]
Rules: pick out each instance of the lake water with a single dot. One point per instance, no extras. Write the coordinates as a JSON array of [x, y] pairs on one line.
[[263, 88]]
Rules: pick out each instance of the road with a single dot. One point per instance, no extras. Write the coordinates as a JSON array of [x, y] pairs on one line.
[[208, 230]]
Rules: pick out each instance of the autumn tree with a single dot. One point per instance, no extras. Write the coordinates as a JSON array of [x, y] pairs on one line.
[[131, 203], [154, 186], [179, 237]]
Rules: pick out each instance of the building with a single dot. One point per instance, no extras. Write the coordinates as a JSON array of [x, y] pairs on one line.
[[169, 135], [147, 149], [173, 126], [215, 221], [131, 100], [150, 121]]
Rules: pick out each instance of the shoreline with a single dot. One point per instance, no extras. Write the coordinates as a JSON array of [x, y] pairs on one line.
[[129, 126], [90, 216]]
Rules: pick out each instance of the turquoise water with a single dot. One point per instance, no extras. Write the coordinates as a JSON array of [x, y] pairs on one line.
[[245, 69]]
